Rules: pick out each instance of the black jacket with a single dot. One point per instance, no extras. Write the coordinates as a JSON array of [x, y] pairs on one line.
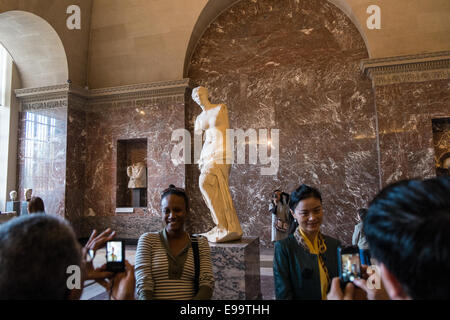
[[296, 271]]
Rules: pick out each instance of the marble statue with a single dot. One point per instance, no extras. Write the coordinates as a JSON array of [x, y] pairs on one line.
[[28, 193], [215, 163], [138, 176], [13, 195]]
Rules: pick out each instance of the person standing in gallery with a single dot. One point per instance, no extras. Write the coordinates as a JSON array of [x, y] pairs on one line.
[[359, 238], [279, 208], [36, 205], [171, 264], [306, 260]]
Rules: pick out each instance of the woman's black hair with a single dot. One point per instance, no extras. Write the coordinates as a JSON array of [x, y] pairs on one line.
[[176, 191], [274, 191], [301, 193], [362, 213]]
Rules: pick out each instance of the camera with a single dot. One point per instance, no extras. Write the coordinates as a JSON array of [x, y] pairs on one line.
[[349, 262], [115, 256]]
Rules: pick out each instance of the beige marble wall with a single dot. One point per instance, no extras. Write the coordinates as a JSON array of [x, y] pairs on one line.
[[139, 41], [144, 41]]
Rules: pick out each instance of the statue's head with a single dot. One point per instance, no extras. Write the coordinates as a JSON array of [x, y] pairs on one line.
[[27, 194], [13, 195], [200, 96]]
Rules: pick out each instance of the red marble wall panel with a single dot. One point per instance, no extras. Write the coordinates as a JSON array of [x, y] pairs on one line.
[[441, 139], [109, 123], [76, 162], [292, 66], [405, 114]]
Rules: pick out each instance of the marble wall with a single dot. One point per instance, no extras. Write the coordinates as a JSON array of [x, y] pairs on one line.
[[405, 114], [292, 66], [107, 123], [76, 157], [441, 139]]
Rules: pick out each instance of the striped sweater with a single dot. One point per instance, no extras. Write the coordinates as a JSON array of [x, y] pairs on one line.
[[152, 269]]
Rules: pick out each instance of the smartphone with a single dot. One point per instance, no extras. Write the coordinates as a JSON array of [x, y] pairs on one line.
[[349, 262], [115, 256]]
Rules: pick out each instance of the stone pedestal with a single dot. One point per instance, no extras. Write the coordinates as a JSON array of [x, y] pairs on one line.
[[13, 206], [24, 208], [138, 198], [236, 269], [20, 207]]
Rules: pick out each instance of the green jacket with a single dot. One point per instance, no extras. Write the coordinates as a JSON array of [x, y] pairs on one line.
[[296, 271]]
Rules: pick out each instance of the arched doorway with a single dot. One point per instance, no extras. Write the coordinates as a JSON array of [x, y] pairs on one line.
[[35, 47], [37, 136]]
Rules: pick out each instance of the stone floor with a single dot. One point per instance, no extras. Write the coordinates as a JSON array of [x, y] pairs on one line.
[[93, 291]]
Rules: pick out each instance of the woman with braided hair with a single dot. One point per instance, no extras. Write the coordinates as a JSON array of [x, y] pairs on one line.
[[306, 260]]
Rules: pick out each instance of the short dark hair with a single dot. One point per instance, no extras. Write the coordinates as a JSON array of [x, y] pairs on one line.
[[36, 205], [301, 193], [35, 251], [362, 213], [176, 191], [408, 230]]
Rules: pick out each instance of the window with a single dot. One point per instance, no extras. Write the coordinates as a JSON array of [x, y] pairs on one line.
[[5, 84], [3, 61], [40, 131]]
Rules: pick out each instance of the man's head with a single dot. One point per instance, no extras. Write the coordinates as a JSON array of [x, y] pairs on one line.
[[35, 252], [408, 230], [36, 205]]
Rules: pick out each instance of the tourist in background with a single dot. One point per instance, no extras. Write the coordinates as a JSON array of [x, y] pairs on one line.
[[36, 205], [279, 209], [359, 238]]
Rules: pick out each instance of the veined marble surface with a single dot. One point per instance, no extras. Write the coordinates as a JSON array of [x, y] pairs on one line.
[[405, 113], [292, 66], [236, 267]]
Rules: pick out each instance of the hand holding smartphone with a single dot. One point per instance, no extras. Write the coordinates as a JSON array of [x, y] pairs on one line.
[[115, 256], [349, 262]]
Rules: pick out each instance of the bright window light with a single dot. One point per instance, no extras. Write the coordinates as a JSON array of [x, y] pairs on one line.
[[3, 55]]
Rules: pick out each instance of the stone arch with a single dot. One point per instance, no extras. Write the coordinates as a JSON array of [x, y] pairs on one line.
[[294, 66], [214, 8], [35, 47]]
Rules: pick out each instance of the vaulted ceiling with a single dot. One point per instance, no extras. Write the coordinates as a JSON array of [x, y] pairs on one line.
[[136, 41]]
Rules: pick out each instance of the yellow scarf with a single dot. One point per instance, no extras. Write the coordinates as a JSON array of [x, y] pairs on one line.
[[319, 248]]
